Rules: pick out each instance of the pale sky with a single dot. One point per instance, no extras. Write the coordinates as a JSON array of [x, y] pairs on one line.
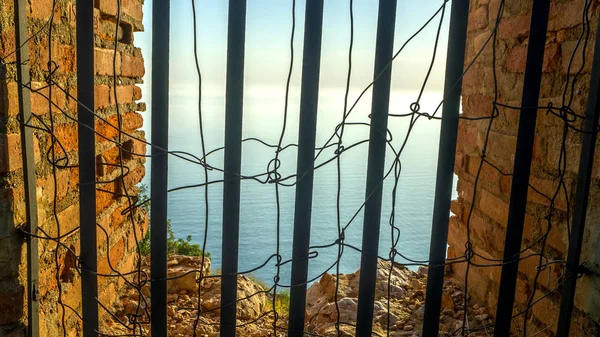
[[267, 43]]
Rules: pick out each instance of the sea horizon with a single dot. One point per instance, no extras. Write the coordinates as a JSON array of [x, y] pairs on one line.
[[263, 118]]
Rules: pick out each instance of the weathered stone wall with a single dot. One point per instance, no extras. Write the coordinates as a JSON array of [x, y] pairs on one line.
[[491, 199], [58, 197]]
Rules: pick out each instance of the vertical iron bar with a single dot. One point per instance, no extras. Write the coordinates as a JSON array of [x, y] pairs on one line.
[[311, 65], [160, 164], [445, 170], [586, 162], [376, 162], [87, 166], [29, 177], [523, 155], [234, 104]]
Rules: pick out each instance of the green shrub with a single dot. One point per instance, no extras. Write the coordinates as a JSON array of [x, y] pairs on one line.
[[282, 299], [282, 302], [174, 245]]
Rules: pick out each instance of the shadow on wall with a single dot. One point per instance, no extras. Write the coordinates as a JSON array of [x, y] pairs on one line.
[[12, 292], [588, 288]]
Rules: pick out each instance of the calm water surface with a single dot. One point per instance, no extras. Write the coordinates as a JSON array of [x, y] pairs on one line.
[[263, 118]]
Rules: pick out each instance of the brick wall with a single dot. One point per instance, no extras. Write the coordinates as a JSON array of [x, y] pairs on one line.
[[59, 204], [491, 200]]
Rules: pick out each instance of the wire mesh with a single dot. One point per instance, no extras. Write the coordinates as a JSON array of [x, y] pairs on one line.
[[137, 323]]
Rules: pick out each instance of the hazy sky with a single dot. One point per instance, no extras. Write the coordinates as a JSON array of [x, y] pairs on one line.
[[267, 42]]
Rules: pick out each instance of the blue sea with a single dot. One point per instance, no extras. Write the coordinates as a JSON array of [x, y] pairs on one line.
[[263, 118]]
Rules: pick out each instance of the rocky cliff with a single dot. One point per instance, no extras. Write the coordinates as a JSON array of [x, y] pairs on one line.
[[255, 315]]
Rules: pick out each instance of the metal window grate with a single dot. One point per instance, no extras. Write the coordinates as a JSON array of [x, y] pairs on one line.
[[232, 175]]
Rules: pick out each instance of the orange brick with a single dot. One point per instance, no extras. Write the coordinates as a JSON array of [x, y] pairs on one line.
[[11, 104], [69, 219], [456, 207], [135, 176], [132, 66], [67, 135], [522, 292], [505, 184], [137, 93], [534, 228], [128, 265], [551, 57], [42, 9], [47, 279], [565, 14], [74, 179], [545, 190], [43, 328], [567, 49], [465, 190], [141, 107], [134, 149], [500, 150], [459, 162], [483, 43], [107, 29], [7, 35], [557, 237], [132, 121], [487, 173], [107, 6], [104, 267], [72, 104], [71, 295], [531, 228], [64, 57], [517, 57], [133, 8], [124, 94], [478, 283], [478, 77], [104, 222], [105, 196], [529, 265], [62, 184], [456, 237], [497, 239], [478, 18], [14, 200], [546, 310], [40, 99], [71, 16], [484, 261], [467, 140], [117, 251], [511, 28], [117, 218], [483, 229], [107, 295], [104, 61], [101, 96], [106, 129], [494, 207], [477, 105], [97, 18], [111, 156], [538, 154], [11, 154]]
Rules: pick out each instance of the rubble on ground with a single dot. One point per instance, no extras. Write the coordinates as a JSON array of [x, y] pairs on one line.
[[405, 311]]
